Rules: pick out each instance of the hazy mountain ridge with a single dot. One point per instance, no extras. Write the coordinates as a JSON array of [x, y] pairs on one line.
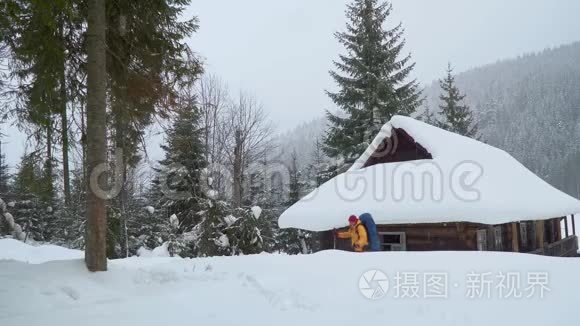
[[528, 106], [302, 139]]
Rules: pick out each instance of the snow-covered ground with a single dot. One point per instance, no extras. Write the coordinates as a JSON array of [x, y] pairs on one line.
[[318, 289], [18, 250]]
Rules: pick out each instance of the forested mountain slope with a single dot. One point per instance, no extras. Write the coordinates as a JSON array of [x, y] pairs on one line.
[[530, 107]]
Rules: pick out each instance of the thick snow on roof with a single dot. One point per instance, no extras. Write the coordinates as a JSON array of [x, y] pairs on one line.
[[466, 181]]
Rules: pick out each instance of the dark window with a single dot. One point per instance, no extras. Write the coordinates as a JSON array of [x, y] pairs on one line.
[[393, 241], [391, 238]]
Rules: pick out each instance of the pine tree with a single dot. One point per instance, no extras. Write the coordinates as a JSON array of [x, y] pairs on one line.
[[457, 116], [317, 166], [372, 79], [291, 240], [258, 190], [26, 180], [30, 211], [4, 172], [146, 62], [45, 39], [210, 234], [296, 184], [294, 241], [182, 168], [177, 192], [71, 220], [247, 234], [428, 116]]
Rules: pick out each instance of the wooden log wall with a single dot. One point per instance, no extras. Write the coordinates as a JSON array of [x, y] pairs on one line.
[[525, 236]]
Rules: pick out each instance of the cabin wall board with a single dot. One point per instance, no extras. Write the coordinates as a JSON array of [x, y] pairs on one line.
[[524, 236], [442, 236]]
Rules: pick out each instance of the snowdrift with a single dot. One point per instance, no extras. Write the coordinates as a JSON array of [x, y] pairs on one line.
[[20, 251], [318, 289]]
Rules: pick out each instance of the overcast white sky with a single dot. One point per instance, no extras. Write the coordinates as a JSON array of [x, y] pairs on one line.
[[281, 51]]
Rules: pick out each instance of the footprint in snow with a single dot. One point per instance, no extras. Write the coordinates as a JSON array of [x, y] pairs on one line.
[[48, 293], [280, 300], [70, 292]]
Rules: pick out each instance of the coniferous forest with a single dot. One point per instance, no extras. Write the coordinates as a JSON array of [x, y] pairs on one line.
[[86, 80]]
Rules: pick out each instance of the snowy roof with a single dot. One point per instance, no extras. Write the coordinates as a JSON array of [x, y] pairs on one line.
[[465, 181]]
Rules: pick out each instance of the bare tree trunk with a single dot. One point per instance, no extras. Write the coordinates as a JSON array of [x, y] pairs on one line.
[[84, 142], [49, 182], [65, 148], [2, 171], [49, 141], [96, 237], [123, 195], [120, 125], [64, 123], [237, 186]]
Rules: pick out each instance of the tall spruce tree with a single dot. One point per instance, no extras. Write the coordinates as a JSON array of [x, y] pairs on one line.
[[71, 222], [35, 45], [181, 170], [147, 58], [45, 42], [4, 171], [290, 240], [29, 191], [26, 179], [457, 116], [372, 78]]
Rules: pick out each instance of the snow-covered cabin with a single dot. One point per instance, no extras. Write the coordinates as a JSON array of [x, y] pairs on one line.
[[430, 189]]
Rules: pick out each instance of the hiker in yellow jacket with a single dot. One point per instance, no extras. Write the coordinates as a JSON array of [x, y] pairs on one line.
[[357, 234]]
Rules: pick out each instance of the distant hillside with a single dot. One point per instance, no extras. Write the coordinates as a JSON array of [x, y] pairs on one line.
[[302, 140], [530, 107]]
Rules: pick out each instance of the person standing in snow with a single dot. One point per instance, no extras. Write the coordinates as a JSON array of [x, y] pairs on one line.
[[357, 234]]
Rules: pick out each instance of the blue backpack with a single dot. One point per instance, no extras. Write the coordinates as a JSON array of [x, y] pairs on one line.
[[367, 220]]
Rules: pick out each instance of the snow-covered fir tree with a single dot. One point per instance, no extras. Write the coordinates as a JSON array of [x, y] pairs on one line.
[[177, 189], [249, 231], [152, 228], [456, 114], [182, 167], [4, 171], [372, 77], [291, 240], [227, 231], [71, 219], [31, 203], [209, 235]]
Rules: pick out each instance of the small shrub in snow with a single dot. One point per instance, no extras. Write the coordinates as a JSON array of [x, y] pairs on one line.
[[256, 211], [161, 251], [174, 221], [230, 220], [223, 241]]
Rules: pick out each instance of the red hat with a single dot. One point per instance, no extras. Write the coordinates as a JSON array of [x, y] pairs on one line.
[[352, 219]]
